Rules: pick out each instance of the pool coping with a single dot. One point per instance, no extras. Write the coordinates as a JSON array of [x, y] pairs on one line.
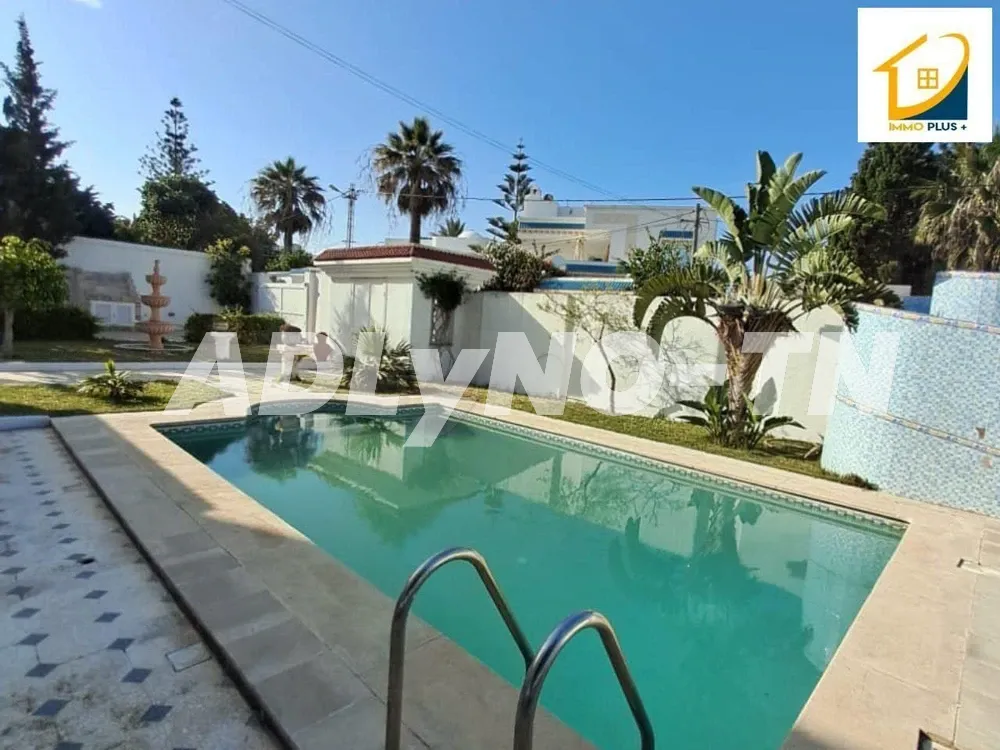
[[307, 639]]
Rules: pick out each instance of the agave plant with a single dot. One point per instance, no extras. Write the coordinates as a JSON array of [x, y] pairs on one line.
[[773, 265], [115, 385]]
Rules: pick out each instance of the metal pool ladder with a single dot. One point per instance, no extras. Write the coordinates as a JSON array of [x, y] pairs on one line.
[[537, 666]]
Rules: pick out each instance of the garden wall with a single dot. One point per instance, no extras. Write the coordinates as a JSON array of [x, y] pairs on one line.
[[689, 349], [185, 271], [930, 428]]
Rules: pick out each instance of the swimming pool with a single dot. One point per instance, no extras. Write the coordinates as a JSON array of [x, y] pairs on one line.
[[728, 601]]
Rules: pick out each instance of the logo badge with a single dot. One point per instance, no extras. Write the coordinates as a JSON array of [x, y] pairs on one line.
[[925, 74]]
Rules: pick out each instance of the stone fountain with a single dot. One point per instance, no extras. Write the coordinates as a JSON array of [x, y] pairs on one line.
[[154, 327]]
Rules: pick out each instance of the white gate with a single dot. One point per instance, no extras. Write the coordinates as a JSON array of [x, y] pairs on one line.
[[289, 300]]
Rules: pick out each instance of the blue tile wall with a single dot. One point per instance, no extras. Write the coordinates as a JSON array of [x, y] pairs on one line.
[[965, 295], [936, 436]]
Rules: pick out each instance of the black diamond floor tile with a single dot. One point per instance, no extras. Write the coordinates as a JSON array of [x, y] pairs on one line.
[[40, 670]]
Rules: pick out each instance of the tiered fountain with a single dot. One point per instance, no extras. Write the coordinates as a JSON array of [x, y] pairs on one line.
[[154, 327]]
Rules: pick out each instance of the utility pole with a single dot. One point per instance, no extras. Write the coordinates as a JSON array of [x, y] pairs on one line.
[[351, 196], [697, 226]]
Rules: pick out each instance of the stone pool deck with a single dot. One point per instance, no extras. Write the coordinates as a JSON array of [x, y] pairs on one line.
[[94, 653], [308, 640]]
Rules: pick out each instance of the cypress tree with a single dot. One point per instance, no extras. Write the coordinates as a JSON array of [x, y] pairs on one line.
[[37, 190]]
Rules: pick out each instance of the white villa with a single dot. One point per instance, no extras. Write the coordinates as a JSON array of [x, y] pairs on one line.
[[590, 232], [606, 231]]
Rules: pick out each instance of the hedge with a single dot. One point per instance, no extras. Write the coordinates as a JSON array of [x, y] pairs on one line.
[[249, 329], [56, 324], [197, 326]]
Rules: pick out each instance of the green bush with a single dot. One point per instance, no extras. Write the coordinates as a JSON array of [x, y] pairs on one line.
[[227, 278], [55, 324], [516, 269], [257, 328], [249, 329], [197, 326]]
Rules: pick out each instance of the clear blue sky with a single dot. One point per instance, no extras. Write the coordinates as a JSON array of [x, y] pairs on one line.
[[639, 98]]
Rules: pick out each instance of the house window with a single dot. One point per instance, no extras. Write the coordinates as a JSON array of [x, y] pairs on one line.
[[927, 78]]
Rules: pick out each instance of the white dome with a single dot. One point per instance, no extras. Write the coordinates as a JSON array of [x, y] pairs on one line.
[[468, 234]]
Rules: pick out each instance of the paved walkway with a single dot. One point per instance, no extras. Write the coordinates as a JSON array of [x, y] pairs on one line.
[[94, 654], [68, 373]]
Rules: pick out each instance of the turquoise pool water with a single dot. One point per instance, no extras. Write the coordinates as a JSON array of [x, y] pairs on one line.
[[728, 603]]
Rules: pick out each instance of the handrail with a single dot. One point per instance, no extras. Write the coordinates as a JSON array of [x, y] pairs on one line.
[[397, 634], [531, 688]]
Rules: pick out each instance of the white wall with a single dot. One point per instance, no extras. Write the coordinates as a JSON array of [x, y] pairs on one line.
[[686, 344], [346, 305], [383, 293], [185, 271]]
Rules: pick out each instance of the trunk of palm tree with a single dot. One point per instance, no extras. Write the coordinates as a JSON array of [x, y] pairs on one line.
[[289, 236], [415, 221], [743, 357], [731, 333]]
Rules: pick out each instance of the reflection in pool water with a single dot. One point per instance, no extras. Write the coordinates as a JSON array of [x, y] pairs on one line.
[[728, 607]]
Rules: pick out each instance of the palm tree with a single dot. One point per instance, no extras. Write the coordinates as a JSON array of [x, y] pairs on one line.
[[418, 171], [451, 228], [288, 199], [772, 265], [961, 215]]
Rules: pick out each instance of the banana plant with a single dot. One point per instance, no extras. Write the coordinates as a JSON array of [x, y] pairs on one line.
[[772, 265]]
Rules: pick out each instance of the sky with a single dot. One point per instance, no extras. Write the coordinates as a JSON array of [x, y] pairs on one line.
[[638, 98]]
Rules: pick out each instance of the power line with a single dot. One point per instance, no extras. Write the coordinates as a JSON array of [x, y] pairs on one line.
[[646, 199], [399, 94]]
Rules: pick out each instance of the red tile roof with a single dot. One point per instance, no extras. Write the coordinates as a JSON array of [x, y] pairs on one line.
[[375, 252]]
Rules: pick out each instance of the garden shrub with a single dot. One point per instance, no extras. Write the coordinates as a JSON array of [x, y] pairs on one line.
[[197, 326], [517, 269], [227, 278], [66, 323], [255, 328]]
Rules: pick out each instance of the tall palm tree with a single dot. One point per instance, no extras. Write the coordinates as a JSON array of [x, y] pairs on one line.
[[961, 215], [772, 265], [288, 199], [418, 171], [451, 228]]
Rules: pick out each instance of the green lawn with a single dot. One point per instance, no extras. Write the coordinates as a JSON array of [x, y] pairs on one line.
[[101, 350], [780, 454], [64, 401]]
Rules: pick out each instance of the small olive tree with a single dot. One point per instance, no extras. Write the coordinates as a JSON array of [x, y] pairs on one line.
[[30, 279], [596, 315]]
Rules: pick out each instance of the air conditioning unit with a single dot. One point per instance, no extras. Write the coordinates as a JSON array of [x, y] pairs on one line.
[[113, 313]]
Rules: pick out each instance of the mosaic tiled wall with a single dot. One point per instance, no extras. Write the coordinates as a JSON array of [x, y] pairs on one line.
[[930, 429], [964, 295]]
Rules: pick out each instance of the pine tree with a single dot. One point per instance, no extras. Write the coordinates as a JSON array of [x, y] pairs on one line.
[[885, 248], [513, 190], [173, 154], [37, 190]]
